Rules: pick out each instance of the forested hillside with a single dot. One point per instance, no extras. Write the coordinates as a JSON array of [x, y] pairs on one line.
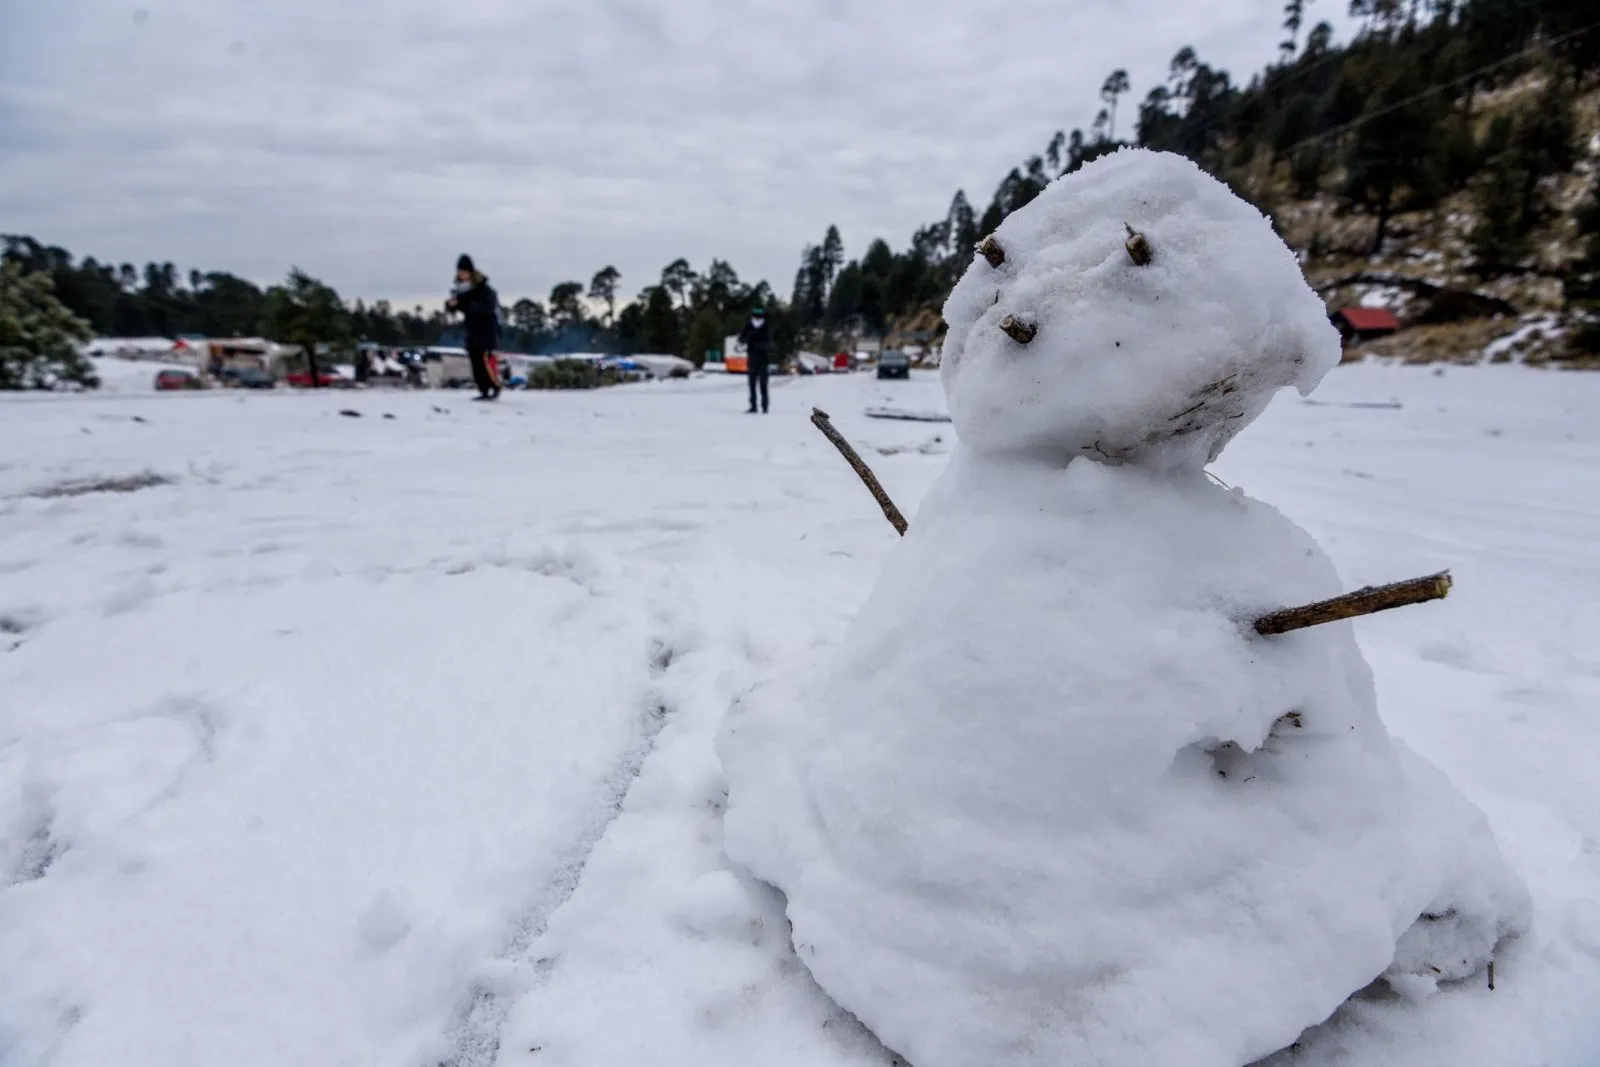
[[1441, 163]]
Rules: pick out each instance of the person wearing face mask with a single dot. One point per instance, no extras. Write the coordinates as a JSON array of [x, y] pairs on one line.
[[757, 339], [480, 310]]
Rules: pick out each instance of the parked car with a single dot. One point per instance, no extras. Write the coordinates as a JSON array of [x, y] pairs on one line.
[[894, 364], [169, 380], [660, 366], [809, 363], [622, 367], [251, 378], [301, 379]]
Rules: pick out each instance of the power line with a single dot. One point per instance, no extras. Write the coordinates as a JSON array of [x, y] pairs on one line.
[[1297, 72], [1433, 90], [1239, 103]]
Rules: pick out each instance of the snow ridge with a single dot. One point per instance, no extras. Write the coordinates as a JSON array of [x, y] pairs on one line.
[[476, 1036]]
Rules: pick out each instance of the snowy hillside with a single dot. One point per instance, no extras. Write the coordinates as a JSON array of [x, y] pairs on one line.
[[388, 740]]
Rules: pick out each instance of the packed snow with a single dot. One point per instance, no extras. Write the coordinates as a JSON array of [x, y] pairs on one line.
[[1053, 800], [390, 741], [1158, 362]]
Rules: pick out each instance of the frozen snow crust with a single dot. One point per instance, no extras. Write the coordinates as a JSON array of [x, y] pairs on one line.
[[1161, 363], [1054, 801]]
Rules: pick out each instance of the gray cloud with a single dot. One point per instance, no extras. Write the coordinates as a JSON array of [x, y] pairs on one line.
[[371, 141]]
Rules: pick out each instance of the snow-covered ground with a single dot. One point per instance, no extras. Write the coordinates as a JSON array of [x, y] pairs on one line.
[[388, 740]]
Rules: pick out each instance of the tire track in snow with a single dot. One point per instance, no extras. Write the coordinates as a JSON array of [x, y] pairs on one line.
[[476, 1033]]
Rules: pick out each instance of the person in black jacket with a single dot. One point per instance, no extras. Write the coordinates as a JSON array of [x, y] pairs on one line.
[[480, 311], [757, 339]]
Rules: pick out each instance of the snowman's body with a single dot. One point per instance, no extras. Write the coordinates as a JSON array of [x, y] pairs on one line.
[[1055, 802]]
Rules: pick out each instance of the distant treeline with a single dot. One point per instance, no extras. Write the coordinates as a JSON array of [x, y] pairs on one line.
[[1386, 123], [686, 312]]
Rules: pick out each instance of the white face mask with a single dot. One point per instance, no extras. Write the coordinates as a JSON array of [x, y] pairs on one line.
[[757, 321]]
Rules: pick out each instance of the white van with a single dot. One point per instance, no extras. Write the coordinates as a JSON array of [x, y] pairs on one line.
[[446, 368]]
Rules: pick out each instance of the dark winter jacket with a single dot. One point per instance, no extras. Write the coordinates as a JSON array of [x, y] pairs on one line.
[[480, 307], [757, 340]]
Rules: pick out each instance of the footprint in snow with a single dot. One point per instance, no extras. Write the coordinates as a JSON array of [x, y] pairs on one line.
[[716, 906], [384, 923]]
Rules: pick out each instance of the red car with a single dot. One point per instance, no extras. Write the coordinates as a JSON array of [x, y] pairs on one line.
[[169, 380], [302, 379]]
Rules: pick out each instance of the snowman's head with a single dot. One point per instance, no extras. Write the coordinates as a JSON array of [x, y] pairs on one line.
[[1136, 311]]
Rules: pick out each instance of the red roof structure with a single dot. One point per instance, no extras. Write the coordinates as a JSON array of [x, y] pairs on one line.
[[1368, 320]]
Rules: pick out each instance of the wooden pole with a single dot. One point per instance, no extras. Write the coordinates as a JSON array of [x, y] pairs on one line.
[[1362, 602], [819, 418]]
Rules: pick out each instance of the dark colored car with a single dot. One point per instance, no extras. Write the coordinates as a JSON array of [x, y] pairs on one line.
[[169, 380], [894, 364], [250, 378]]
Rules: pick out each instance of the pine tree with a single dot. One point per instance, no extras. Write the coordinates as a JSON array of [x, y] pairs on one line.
[[1054, 154], [1582, 285], [832, 257], [1498, 238], [603, 287], [844, 299], [676, 278], [305, 312], [566, 305], [720, 288], [1115, 85], [963, 226], [661, 331], [1318, 41], [810, 288], [528, 319], [1293, 14], [1523, 150], [1390, 153], [1306, 168], [1156, 124], [39, 336], [705, 336], [630, 328], [1544, 142]]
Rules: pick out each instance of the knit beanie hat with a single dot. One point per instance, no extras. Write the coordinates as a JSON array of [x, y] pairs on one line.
[[465, 263]]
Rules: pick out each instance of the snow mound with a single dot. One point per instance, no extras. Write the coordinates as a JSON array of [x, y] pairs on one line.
[[1083, 816], [1175, 356], [1055, 801]]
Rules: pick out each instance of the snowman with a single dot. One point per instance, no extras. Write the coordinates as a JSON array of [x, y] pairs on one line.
[[1054, 801]]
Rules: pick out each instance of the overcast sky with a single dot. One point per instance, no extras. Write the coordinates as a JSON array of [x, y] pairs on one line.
[[371, 141]]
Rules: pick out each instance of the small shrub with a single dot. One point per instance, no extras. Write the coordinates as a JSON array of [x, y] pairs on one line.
[[577, 374], [566, 374]]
